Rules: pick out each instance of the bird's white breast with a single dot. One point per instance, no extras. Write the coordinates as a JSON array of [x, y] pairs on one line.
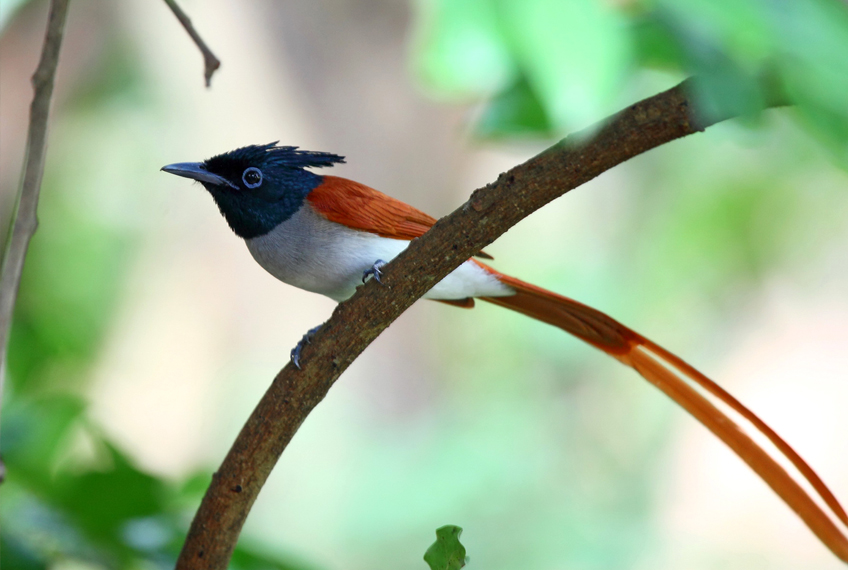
[[315, 254]]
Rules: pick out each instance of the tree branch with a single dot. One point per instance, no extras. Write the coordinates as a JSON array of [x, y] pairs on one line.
[[25, 221], [210, 62], [355, 323]]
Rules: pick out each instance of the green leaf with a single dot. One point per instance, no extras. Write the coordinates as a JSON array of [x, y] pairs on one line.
[[814, 67], [723, 87], [447, 553], [654, 45], [575, 55], [16, 555], [729, 44], [741, 27], [461, 49], [34, 431], [252, 558], [514, 112], [69, 287], [103, 503]]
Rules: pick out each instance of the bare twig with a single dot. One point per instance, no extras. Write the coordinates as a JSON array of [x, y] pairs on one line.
[[489, 212], [25, 220], [210, 62]]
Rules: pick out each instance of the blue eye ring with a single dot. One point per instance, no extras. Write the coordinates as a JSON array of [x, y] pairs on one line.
[[249, 177]]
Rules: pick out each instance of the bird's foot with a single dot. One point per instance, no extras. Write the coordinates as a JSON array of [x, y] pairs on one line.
[[307, 339], [375, 271]]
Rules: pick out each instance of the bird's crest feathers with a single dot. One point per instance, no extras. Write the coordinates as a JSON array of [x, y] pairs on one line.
[[271, 155]]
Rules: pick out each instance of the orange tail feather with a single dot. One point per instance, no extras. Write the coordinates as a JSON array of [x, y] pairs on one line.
[[679, 381]]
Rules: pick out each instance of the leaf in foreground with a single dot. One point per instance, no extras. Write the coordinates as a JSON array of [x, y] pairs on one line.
[[447, 553]]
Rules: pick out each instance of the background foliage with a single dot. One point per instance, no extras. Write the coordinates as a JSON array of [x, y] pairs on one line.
[[550, 457], [551, 66]]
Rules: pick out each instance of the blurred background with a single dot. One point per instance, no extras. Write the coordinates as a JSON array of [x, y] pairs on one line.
[[145, 333]]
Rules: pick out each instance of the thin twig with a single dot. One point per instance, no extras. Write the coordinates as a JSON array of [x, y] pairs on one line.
[[25, 220], [355, 323], [210, 62]]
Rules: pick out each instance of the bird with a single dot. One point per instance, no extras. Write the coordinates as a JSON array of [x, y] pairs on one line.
[[328, 234]]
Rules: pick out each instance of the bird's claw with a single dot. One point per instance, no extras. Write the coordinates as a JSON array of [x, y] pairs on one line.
[[374, 271], [307, 339]]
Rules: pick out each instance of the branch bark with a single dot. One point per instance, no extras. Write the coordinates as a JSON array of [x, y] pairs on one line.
[[210, 62], [25, 220], [355, 323]]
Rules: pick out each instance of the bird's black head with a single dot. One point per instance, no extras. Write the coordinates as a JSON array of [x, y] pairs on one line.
[[257, 187]]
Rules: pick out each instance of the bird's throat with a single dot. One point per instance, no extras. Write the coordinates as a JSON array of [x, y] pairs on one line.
[[252, 216]]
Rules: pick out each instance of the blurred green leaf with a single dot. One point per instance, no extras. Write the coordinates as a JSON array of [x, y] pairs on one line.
[[575, 55], [573, 58], [120, 79], [729, 45], [741, 27], [447, 553], [514, 112], [193, 488], [250, 558], [462, 50], [33, 432], [722, 87], [39, 530], [103, 502], [654, 45], [68, 288], [813, 63], [14, 554]]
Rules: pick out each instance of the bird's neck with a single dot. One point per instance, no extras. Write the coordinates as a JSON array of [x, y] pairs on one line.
[[254, 216]]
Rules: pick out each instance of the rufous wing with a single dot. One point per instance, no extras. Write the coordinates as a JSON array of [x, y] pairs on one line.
[[360, 207]]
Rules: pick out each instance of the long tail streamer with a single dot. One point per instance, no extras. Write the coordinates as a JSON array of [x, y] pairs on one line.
[[758, 445]]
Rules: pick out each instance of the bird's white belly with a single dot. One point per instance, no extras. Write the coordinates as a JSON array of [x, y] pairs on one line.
[[324, 257]]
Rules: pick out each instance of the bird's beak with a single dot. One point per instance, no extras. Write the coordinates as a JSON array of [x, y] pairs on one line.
[[196, 171]]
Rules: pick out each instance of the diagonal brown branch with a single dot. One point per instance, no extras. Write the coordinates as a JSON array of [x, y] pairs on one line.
[[489, 213], [210, 62], [25, 220]]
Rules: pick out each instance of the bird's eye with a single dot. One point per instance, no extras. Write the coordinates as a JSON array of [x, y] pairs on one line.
[[252, 177]]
